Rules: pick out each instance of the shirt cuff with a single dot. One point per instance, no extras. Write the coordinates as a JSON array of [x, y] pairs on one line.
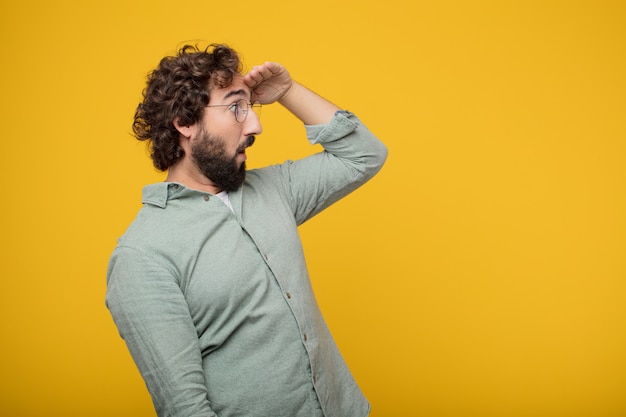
[[342, 124]]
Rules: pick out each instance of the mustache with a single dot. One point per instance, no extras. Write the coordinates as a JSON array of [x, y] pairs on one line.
[[249, 142]]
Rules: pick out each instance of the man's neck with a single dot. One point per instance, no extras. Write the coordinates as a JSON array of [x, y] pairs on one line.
[[191, 178]]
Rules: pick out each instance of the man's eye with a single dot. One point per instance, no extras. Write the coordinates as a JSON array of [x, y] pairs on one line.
[[234, 107]]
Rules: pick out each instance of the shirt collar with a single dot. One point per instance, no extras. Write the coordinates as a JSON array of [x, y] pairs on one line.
[[160, 193]]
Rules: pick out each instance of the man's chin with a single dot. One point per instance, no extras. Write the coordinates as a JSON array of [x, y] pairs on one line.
[[234, 182]]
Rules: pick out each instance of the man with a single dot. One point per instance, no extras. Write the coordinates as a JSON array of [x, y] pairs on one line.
[[208, 286]]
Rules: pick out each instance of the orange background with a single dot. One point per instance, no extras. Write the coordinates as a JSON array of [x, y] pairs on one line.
[[481, 273]]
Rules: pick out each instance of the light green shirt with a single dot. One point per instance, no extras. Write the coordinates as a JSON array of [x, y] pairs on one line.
[[216, 306]]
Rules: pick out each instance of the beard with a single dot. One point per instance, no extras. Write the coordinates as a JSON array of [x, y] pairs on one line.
[[210, 157]]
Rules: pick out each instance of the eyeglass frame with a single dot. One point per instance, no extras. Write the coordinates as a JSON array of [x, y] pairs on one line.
[[238, 108]]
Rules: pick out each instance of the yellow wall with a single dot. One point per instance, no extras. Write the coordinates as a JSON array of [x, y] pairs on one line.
[[482, 273]]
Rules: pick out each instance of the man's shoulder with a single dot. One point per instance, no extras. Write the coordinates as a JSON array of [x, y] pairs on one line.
[[266, 181]]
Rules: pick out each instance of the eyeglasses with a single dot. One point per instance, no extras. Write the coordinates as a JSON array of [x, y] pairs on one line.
[[240, 108]]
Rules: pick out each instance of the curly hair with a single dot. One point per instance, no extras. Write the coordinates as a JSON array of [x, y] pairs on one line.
[[180, 87]]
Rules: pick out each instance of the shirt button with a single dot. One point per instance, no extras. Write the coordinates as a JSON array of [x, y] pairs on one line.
[[289, 295], [206, 197], [304, 335], [176, 186]]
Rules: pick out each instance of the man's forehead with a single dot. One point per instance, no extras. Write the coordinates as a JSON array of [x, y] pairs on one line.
[[236, 89]]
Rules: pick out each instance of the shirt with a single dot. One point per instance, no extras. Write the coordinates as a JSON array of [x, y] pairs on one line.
[[216, 306]]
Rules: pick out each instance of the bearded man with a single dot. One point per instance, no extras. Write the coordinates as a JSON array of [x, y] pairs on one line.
[[208, 286]]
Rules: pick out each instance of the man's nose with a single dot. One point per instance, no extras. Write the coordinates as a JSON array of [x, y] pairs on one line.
[[252, 124]]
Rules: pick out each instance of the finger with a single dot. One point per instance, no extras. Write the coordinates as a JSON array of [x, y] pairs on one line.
[[257, 75], [267, 70], [275, 67], [252, 78]]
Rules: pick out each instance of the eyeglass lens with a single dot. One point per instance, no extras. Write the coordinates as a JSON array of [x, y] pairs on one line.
[[241, 111]]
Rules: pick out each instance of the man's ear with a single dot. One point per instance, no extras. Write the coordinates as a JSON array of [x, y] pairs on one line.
[[185, 130]]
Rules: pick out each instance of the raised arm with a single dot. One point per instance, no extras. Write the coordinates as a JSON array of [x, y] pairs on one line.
[[271, 82], [352, 154]]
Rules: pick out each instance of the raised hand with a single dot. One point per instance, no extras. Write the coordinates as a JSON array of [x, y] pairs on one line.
[[270, 82]]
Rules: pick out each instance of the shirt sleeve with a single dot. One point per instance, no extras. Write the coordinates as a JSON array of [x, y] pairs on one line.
[[352, 155], [153, 318]]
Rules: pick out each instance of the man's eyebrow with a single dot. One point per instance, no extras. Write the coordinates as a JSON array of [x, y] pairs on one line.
[[240, 92]]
